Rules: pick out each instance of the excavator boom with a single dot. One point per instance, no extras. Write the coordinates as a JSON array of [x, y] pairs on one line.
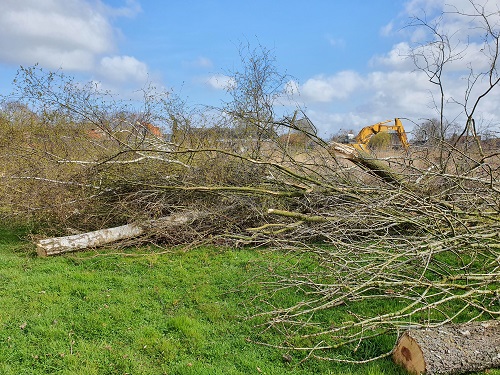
[[367, 132]]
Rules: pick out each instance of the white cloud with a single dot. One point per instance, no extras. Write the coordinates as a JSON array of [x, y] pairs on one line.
[[325, 89], [131, 8], [395, 88], [70, 34], [378, 96], [123, 69], [75, 35], [335, 42], [396, 58], [220, 82], [458, 19], [203, 62], [399, 94], [387, 29], [55, 34], [414, 7]]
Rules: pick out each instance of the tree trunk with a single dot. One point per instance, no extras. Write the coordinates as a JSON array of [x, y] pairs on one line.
[[60, 245], [450, 349], [369, 163]]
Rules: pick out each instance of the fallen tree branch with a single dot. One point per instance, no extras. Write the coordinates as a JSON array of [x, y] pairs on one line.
[[369, 163], [60, 245], [298, 215]]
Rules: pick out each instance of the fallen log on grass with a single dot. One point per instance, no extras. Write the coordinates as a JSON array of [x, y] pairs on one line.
[[450, 349], [60, 245]]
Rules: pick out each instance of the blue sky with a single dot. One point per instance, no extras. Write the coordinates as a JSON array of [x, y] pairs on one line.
[[344, 57]]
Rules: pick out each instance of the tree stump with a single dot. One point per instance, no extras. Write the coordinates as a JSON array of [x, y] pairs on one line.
[[450, 349]]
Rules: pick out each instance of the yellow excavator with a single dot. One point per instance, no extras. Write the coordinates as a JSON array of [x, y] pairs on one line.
[[363, 137]]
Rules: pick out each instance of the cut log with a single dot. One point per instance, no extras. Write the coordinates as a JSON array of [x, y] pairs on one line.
[[60, 245], [369, 163], [450, 349]]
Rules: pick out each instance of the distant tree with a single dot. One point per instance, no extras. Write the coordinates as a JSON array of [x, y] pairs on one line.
[[438, 55], [432, 132], [344, 136], [255, 90], [19, 113], [381, 141]]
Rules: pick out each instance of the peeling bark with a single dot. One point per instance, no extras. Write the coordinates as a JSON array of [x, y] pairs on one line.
[[60, 245]]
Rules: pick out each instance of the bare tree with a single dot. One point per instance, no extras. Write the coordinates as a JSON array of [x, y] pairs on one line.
[[481, 82], [432, 132], [255, 90], [433, 57], [476, 47]]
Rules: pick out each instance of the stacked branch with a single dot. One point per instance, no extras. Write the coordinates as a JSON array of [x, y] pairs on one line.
[[403, 255]]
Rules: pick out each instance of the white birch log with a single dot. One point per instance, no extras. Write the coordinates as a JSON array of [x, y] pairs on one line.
[[60, 245]]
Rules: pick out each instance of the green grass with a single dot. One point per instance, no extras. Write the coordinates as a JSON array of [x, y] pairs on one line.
[[175, 313]]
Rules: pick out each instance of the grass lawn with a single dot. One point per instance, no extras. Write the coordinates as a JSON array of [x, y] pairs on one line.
[[176, 313]]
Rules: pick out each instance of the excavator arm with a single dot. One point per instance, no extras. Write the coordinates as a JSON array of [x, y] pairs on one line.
[[367, 132], [401, 133]]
